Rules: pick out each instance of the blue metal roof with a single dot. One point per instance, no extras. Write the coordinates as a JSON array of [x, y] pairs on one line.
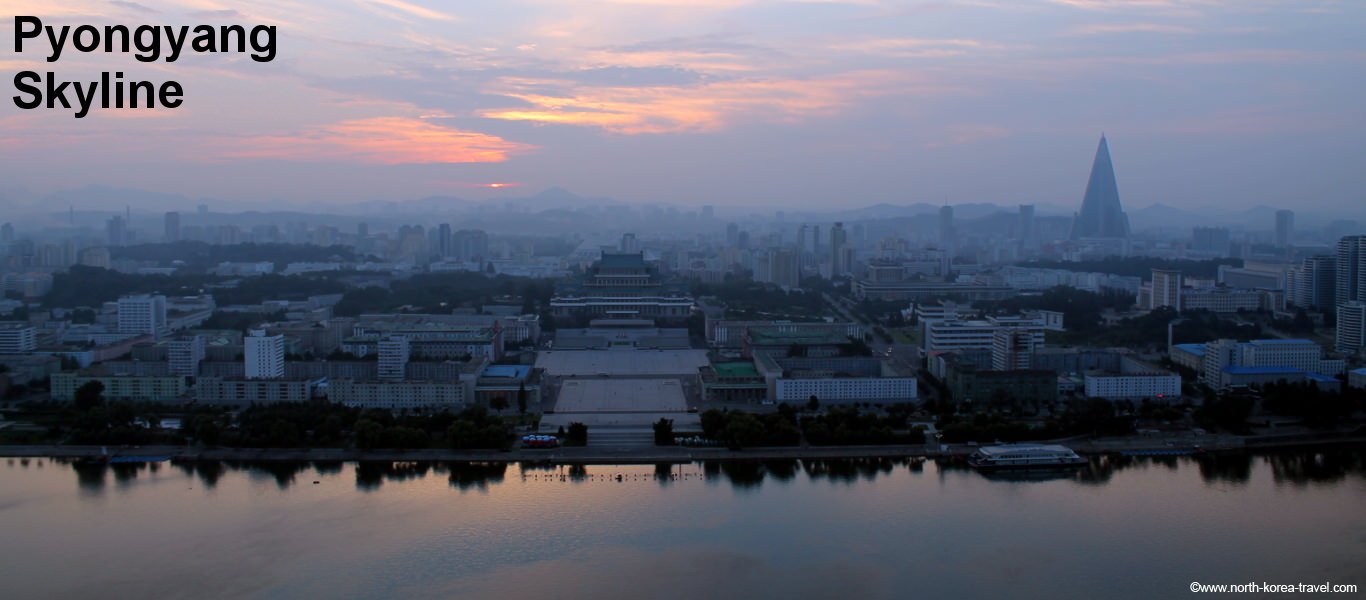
[[507, 371], [1196, 349]]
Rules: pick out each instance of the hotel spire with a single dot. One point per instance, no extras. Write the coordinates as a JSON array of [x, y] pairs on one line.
[[1101, 215]]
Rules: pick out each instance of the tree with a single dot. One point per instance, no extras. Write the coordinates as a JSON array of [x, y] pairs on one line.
[[743, 430], [521, 398], [664, 432], [498, 403], [713, 422], [578, 434], [813, 404], [368, 434], [89, 395]]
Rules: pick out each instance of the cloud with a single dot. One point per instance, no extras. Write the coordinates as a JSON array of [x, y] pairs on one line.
[[134, 6], [1113, 28], [409, 9], [381, 140], [701, 108]]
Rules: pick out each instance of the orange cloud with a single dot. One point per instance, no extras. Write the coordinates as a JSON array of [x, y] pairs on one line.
[[701, 108], [382, 140]]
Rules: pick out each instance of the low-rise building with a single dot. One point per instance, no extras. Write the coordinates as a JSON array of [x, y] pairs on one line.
[[240, 391], [119, 386], [17, 338], [398, 395], [834, 380], [1135, 380]]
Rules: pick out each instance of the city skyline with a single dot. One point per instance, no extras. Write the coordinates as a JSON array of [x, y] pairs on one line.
[[1212, 104]]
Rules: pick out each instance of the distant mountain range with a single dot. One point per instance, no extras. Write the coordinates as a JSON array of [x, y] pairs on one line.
[[563, 207]]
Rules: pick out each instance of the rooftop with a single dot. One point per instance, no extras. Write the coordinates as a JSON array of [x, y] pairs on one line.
[[507, 371], [735, 369], [1280, 342]]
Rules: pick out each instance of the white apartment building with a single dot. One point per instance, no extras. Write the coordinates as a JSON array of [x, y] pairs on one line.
[[397, 395], [142, 314], [953, 334], [394, 352], [835, 390], [1283, 355], [264, 355], [1351, 327], [17, 338]]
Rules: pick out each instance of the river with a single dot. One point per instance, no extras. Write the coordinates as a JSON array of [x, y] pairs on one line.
[[1119, 528]]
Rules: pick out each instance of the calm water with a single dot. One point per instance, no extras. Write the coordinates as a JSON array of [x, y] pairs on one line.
[[1133, 528]]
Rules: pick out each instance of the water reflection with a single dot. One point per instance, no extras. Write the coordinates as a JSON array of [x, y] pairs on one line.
[[1321, 467]]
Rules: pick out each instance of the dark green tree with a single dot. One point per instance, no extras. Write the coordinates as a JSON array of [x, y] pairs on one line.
[[664, 432], [89, 395]]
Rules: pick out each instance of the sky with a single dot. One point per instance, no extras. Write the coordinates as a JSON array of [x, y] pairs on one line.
[[773, 103]]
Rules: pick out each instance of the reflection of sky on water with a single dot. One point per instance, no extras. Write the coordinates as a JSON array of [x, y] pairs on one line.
[[792, 529]]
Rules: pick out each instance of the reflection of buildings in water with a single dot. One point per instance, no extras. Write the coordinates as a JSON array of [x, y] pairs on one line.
[[1296, 467]]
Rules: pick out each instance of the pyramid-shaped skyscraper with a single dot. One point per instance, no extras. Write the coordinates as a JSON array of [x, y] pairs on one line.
[[1101, 215]]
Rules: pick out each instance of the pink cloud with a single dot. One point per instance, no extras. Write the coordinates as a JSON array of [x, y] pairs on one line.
[[381, 140]]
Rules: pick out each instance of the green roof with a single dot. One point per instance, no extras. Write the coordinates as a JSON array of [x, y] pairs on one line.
[[735, 369]]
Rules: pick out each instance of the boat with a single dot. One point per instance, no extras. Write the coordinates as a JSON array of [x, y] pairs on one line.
[[1024, 456]]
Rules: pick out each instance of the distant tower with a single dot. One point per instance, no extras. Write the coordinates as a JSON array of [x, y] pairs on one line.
[[629, 244], [1285, 228], [946, 233], [1101, 215], [172, 233], [1026, 231], [837, 255]]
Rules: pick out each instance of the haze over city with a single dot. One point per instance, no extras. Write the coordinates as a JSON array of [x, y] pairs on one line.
[[595, 299], [1222, 106]]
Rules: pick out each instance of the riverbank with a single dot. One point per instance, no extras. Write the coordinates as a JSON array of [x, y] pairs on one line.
[[668, 454]]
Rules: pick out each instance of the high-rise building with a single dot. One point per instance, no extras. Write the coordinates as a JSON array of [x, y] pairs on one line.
[[1351, 266], [7, 233], [838, 240], [1285, 228], [1166, 289], [732, 234], [142, 314], [264, 355], [1313, 283], [444, 242], [1025, 228], [116, 229], [1101, 214], [803, 231], [172, 231], [1351, 328], [629, 244], [1012, 349], [708, 212], [470, 245], [1211, 240], [946, 232], [785, 268], [184, 355], [394, 352]]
